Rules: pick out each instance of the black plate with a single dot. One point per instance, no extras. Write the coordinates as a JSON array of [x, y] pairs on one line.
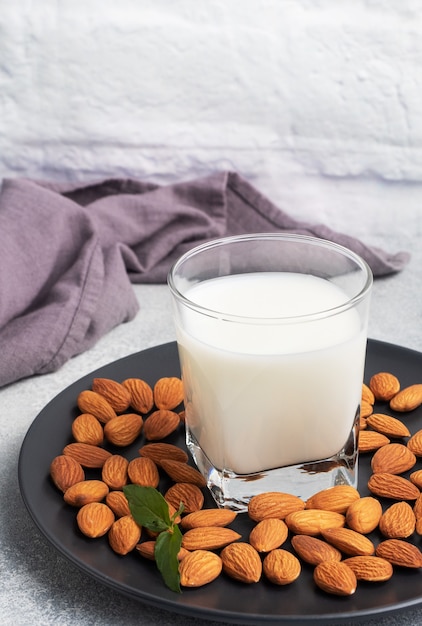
[[224, 599]]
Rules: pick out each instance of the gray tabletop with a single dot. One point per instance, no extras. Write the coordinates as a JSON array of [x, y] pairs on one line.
[[38, 585]]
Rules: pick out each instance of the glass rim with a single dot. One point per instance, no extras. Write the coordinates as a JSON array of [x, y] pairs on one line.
[[247, 319]]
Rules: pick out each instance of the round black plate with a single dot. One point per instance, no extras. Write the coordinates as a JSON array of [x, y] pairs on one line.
[[224, 599]]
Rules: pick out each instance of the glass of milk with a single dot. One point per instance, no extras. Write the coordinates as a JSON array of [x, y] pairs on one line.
[[271, 332]]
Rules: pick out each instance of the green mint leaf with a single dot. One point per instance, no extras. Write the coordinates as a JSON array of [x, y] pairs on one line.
[[148, 507], [167, 547]]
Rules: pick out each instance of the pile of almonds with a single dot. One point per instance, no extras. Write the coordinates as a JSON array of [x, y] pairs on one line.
[[330, 531]]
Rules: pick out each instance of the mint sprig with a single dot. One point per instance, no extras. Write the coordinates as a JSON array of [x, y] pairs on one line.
[[150, 509]]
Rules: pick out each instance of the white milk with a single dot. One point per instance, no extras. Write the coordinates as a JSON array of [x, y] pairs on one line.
[[267, 394]]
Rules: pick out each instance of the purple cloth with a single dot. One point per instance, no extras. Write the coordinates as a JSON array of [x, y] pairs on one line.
[[69, 253]]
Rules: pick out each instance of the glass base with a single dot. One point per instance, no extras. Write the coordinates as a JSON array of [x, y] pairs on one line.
[[233, 491]]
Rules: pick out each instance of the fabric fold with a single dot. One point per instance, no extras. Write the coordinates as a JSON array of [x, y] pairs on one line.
[[71, 251]]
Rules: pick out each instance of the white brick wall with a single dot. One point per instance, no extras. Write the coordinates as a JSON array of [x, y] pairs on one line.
[[317, 102]]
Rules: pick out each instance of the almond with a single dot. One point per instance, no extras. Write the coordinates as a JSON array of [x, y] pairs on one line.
[[144, 472], [242, 562], [118, 503], [394, 458], [115, 393], [268, 534], [370, 568], [85, 491], [314, 550], [87, 455], [387, 425], [123, 429], [313, 521], [366, 409], [370, 440], [124, 535], [190, 495], [141, 396], [209, 538], [91, 402], [384, 386], [87, 429], [95, 519], [415, 443], [335, 577], [168, 393], [392, 486], [367, 394], [407, 399], [208, 517], [273, 504], [160, 424], [199, 568], [65, 471], [364, 515], [398, 521], [416, 478], [417, 509], [163, 451], [337, 498], [183, 473], [400, 552], [348, 541], [114, 471], [281, 567]]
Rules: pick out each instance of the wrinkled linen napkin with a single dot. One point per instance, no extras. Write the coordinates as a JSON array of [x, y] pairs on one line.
[[69, 253]]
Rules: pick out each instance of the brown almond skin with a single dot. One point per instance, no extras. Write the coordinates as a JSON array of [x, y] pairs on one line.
[[209, 538], [118, 503], [168, 393], [313, 521], [367, 394], [268, 534], [208, 517], [183, 473], [242, 562], [388, 425], [384, 386], [94, 519], [281, 567], [114, 471], [371, 440], [65, 471], [144, 472], [314, 550], [407, 399], [160, 424], [416, 478], [87, 429], [335, 578], [147, 550], [141, 395], [114, 392], [85, 491], [273, 504], [163, 451], [199, 568], [123, 429], [349, 541], [370, 568], [124, 535], [87, 455], [392, 486], [337, 499], [190, 495], [398, 521], [394, 458], [415, 443], [400, 552], [89, 401], [364, 515]]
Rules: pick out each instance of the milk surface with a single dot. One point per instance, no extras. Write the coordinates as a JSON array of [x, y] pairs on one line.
[[276, 390]]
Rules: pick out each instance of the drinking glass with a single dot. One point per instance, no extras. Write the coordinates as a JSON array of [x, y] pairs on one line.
[[271, 333]]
